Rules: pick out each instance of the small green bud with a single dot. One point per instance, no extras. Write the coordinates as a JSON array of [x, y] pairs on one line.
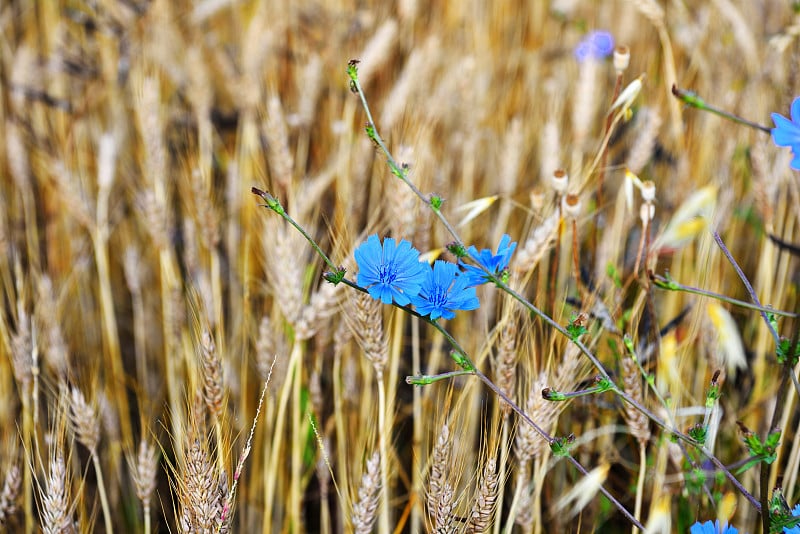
[[577, 326], [549, 394], [561, 446], [457, 249], [352, 69], [335, 277], [699, 433]]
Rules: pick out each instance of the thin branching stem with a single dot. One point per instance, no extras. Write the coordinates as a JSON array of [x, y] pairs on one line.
[[663, 282]]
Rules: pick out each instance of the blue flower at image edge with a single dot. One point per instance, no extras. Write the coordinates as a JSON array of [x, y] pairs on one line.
[[787, 132], [597, 44], [795, 529], [712, 528], [444, 291], [494, 263], [391, 271]]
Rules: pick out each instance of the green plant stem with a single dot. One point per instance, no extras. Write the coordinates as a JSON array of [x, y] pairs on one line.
[[691, 99], [396, 169], [746, 282], [780, 402], [671, 285]]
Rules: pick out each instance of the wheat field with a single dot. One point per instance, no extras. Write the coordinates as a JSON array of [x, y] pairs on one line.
[[175, 358]]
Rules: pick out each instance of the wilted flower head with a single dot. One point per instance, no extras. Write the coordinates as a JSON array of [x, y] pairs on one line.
[[597, 44], [390, 271], [787, 132], [444, 291], [494, 263]]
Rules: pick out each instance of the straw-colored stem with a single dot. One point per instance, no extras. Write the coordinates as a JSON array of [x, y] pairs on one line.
[[416, 409], [101, 490], [601, 171], [385, 516], [27, 475], [576, 263], [502, 473], [169, 281], [110, 331], [554, 261], [147, 520], [272, 465], [298, 437], [637, 509]]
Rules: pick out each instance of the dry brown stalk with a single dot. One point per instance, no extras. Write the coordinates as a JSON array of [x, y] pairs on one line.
[[364, 511]]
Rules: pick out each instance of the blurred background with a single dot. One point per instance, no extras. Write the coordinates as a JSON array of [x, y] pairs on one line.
[[147, 298]]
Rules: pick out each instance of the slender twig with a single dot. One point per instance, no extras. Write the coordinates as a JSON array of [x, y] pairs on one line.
[[747, 285], [690, 98], [664, 282]]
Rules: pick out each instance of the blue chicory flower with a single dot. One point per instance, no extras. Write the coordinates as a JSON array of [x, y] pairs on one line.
[[795, 529], [712, 528], [787, 132], [444, 291], [597, 44], [494, 263], [391, 271]]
